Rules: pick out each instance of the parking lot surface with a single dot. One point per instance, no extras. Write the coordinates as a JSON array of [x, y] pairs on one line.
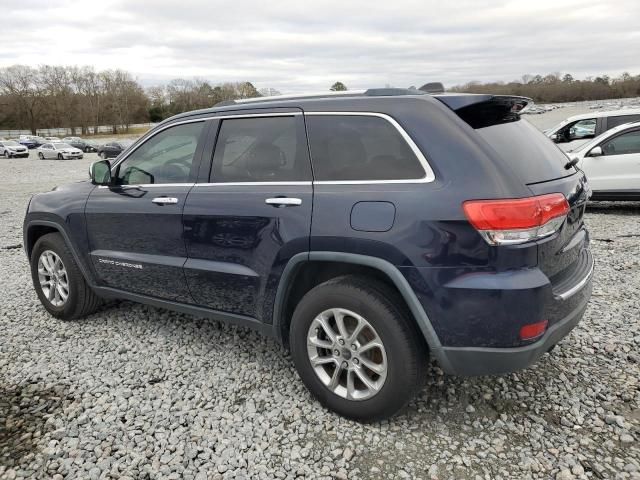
[[143, 393]]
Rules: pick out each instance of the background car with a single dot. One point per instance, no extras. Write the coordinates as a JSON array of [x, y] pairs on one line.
[[574, 132], [52, 139], [84, 145], [110, 150], [28, 141], [59, 150], [612, 163], [11, 148]]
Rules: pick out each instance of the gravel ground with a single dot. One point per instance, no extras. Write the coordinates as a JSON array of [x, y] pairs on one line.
[[143, 393]]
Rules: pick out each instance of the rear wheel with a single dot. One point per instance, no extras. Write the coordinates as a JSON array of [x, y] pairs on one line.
[[58, 281], [41, 155], [356, 349]]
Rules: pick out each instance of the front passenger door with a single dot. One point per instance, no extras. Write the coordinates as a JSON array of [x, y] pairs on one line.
[[134, 226]]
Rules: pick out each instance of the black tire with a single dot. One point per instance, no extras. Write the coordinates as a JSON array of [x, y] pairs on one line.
[[406, 350], [41, 155], [87, 149], [60, 157], [82, 301]]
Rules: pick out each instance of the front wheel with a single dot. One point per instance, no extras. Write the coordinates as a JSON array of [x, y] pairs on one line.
[[356, 348], [41, 155], [60, 157], [58, 281]]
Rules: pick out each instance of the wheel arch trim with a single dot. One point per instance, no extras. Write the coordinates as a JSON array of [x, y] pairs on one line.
[[67, 239], [387, 268]]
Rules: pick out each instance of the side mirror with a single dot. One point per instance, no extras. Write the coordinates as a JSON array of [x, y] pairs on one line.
[[555, 138], [596, 152], [101, 172]]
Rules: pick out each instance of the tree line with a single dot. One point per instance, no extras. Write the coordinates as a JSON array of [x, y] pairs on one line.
[[557, 87], [82, 98]]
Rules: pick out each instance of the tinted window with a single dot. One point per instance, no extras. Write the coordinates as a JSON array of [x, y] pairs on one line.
[[620, 119], [623, 144], [352, 147], [264, 149], [165, 158], [530, 153]]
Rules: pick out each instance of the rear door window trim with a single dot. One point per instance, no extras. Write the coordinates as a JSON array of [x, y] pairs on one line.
[[429, 174]]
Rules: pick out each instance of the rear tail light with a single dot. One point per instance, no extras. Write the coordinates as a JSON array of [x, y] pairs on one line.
[[533, 330], [519, 220]]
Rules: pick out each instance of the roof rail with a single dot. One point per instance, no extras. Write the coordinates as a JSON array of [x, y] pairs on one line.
[[296, 96], [371, 92]]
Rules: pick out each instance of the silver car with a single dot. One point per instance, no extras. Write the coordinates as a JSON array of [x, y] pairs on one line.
[[11, 148], [59, 150]]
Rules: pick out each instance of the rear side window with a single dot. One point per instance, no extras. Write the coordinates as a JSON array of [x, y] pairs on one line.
[[266, 149], [532, 155], [620, 119], [358, 147]]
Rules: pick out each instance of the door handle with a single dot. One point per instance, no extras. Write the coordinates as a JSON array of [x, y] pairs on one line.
[[165, 200], [283, 201]]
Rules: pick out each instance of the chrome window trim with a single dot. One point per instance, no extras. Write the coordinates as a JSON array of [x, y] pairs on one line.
[[429, 174], [235, 184], [148, 185]]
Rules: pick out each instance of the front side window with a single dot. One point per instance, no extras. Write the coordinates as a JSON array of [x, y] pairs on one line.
[[358, 147], [164, 158], [581, 129], [261, 149], [624, 144]]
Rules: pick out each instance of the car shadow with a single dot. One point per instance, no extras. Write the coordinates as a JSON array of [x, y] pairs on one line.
[[618, 208]]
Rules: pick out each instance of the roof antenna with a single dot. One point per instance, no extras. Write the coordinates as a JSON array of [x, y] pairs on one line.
[[432, 87]]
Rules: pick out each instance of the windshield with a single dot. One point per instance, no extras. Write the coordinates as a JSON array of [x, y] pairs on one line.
[[10, 143], [62, 145]]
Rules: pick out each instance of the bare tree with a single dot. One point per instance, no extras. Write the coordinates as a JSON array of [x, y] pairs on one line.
[[23, 88]]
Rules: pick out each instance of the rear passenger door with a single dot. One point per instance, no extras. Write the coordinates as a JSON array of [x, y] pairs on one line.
[[251, 214]]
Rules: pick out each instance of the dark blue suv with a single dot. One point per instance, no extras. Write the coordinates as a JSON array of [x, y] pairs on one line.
[[366, 231]]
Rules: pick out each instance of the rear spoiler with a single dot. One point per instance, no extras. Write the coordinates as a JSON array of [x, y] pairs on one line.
[[480, 110]]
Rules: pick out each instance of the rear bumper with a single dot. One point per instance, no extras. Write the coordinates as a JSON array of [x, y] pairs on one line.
[[492, 361]]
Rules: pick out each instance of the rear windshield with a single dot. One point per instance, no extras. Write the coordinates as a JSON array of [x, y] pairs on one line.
[[534, 157]]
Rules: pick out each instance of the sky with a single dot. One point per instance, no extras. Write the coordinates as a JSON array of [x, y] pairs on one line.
[[296, 46]]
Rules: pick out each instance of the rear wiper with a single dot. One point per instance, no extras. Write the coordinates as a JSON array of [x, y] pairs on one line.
[[571, 163]]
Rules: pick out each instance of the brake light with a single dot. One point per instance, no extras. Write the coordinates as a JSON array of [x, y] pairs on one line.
[[518, 220], [533, 330]]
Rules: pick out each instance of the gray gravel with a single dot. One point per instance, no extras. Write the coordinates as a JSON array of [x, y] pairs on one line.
[[140, 393]]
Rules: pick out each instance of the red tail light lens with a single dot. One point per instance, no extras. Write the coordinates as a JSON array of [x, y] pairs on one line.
[[512, 221], [533, 330]]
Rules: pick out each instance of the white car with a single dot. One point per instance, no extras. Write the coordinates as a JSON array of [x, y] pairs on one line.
[[574, 132], [11, 148], [612, 163], [52, 139], [59, 150]]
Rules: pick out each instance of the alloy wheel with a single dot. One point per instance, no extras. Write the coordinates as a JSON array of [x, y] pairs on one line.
[[347, 354], [53, 278]]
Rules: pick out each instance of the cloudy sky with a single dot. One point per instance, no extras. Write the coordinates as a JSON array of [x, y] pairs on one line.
[[307, 45]]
